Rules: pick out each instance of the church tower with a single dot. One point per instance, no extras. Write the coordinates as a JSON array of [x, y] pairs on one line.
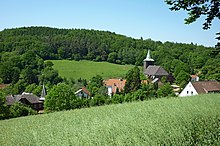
[[148, 61]]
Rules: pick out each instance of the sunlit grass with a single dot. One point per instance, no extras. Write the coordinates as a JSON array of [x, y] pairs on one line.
[[88, 69], [166, 121]]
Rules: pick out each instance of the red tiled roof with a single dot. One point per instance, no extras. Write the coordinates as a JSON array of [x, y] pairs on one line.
[[206, 86], [115, 83], [3, 85], [85, 91], [194, 76]]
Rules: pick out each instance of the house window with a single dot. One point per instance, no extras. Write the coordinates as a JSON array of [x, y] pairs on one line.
[[187, 92], [191, 92]]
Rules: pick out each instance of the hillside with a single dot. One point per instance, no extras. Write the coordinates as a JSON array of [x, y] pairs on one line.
[[167, 121], [81, 44], [88, 69]]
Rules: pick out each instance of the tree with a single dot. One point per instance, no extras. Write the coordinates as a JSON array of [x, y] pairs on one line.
[[112, 57], [4, 111], [18, 110], [197, 8], [165, 90], [95, 84], [183, 78], [133, 81], [59, 98]]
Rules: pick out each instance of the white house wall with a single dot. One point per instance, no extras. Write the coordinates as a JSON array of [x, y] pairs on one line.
[[189, 90], [109, 90]]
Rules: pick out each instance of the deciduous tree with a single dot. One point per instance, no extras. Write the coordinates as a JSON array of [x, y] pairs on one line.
[[133, 81]]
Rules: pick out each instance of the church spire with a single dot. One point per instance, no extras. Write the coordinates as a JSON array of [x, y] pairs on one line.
[[43, 93], [148, 58]]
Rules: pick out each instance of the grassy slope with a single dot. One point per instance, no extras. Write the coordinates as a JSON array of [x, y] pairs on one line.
[[161, 121], [88, 69]]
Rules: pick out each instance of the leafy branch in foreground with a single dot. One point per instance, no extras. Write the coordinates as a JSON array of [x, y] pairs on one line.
[[197, 8]]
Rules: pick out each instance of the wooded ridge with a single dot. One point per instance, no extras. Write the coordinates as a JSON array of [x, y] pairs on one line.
[[81, 44]]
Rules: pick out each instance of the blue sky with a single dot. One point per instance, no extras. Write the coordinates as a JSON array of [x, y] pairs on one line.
[[134, 18]]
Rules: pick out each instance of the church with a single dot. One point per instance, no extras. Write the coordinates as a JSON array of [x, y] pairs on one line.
[[154, 72]]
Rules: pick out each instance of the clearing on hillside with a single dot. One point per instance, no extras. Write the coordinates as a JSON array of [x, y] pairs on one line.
[[167, 121], [88, 69]]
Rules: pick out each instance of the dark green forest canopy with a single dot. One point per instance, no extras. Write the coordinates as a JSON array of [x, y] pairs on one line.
[[78, 44]]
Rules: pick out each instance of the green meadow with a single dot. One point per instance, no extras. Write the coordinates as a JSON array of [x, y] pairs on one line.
[[166, 121], [88, 69]]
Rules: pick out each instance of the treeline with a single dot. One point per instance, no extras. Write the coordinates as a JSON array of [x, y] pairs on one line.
[[78, 44], [61, 96]]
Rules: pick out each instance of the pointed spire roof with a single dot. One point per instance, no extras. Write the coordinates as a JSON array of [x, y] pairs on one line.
[[148, 58], [43, 93]]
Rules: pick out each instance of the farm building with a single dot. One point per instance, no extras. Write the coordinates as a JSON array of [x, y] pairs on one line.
[[200, 87], [27, 99]]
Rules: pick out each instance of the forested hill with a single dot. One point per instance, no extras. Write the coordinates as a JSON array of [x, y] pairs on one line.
[[77, 44]]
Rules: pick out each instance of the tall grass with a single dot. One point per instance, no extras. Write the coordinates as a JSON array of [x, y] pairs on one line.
[[88, 69], [168, 121]]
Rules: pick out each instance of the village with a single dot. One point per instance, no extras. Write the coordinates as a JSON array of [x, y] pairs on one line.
[[154, 74], [110, 73]]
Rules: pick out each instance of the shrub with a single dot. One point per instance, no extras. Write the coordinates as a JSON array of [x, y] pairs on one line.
[[18, 110]]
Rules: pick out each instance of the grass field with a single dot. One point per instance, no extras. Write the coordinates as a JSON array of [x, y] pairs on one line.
[[168, 121], [88, 69]]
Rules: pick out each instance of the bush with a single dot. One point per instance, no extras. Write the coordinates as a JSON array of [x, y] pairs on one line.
[[117, 98], [18, 110], [97, 100], [60, 97]]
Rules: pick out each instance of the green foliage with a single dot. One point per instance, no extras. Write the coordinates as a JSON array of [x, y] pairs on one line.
[[98, 100], [23, 51], [166, 121], [197, 8], [59, 98], [183, 78], [4, 111], [18, 110], [165, 90], [133, 81], [34, 88], [50, 76], [95, 84]]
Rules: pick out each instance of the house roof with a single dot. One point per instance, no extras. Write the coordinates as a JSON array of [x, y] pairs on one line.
[[84, 90], [115, 83], [153, 70], [194, 76], [206, 86], [2, 86], [11, 99]]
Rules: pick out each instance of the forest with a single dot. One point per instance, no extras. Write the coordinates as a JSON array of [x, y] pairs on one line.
[[24, 50]]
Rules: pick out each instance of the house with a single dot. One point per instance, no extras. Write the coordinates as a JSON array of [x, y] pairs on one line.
[[194, 78], [113, 85], [200, 87], [153, 72], [27, 99], [83, 92]]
